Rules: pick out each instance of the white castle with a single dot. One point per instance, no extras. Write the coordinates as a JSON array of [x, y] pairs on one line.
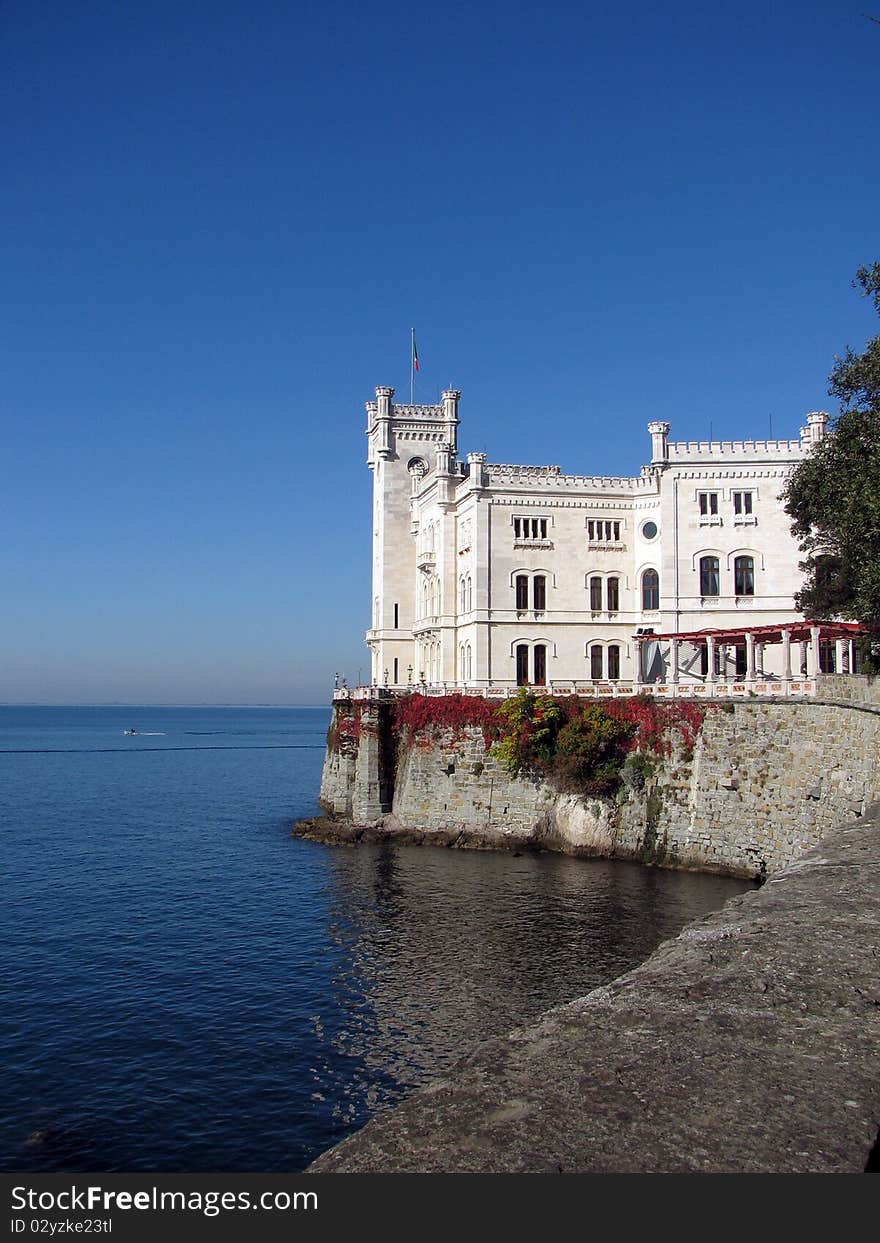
[[489, 576]]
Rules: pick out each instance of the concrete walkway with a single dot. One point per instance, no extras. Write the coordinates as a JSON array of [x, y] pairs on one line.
[[750, 1043]]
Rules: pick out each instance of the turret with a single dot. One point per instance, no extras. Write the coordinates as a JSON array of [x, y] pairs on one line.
[[817, 425], [445, 460], [450, 417], [477, 473], [384, 444], [659, 443]]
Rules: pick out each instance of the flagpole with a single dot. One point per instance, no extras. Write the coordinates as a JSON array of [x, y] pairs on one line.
[[412, 362]]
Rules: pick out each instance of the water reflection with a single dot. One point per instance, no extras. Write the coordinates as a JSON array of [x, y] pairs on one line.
[[438, 950]]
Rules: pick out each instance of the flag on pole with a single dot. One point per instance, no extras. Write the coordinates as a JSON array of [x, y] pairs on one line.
[[415, 353]]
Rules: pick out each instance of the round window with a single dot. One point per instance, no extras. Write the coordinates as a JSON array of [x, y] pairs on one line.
[[649, 530]]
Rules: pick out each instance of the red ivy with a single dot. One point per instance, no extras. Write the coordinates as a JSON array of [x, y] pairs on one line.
[[345, 728], [420, 714], [655, 719]]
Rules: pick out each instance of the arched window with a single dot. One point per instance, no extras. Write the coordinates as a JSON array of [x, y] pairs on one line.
[[650, 590], [596, 662], [596, 594], [522, 591], [469, 604], [709, 576], [539, 591], [468, 670], [461, 595], [540, 678], [613, 661], [522, 664], [461, 663], [613, 596], [744, 576]]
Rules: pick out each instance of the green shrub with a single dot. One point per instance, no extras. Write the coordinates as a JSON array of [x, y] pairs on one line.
[[529, 726], [590, 751]]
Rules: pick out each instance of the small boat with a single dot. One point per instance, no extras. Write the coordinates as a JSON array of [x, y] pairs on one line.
[[130, 732]]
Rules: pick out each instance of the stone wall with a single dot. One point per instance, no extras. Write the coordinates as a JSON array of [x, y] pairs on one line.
[[765, 781], [454, 783], [856, 688]]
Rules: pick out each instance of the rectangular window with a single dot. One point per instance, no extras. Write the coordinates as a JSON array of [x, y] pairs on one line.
[[539, 591], [596, 595], [827, 656], [530, 528], [613, 595], [613, 662], [596, 662], [395, 671], [602, 530], [522, 591], [396, 616], [708, 503], [742, 502]]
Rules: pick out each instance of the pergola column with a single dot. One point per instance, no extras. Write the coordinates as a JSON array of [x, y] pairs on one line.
[[722, 660], [786, 655], [750, 656], [852, 657], [759, 658], [813, 652], [710, 654]]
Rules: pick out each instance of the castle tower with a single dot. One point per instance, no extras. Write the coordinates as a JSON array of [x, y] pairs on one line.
[[402, 444]]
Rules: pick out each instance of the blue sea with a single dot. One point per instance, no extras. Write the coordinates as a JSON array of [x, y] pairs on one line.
[[190, 988]]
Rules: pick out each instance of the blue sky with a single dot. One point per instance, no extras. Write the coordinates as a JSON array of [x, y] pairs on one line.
[[220, 221]]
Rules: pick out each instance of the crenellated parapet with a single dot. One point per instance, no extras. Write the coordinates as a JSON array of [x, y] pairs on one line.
[[717, 451]]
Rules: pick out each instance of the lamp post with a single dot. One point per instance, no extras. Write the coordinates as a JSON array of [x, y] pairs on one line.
[[409, 673]]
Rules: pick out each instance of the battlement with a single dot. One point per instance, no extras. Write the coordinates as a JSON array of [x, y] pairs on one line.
[[505, 468], [406, 411], [551, 477], [712, 450]]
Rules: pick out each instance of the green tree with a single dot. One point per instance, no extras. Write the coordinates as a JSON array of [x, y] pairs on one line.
[[833, 496]]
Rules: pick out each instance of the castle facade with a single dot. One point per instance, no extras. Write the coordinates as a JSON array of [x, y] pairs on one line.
[[489, 576]]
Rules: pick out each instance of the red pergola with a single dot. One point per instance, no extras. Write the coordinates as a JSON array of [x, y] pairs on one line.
[[749, 643], [798, 632]]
